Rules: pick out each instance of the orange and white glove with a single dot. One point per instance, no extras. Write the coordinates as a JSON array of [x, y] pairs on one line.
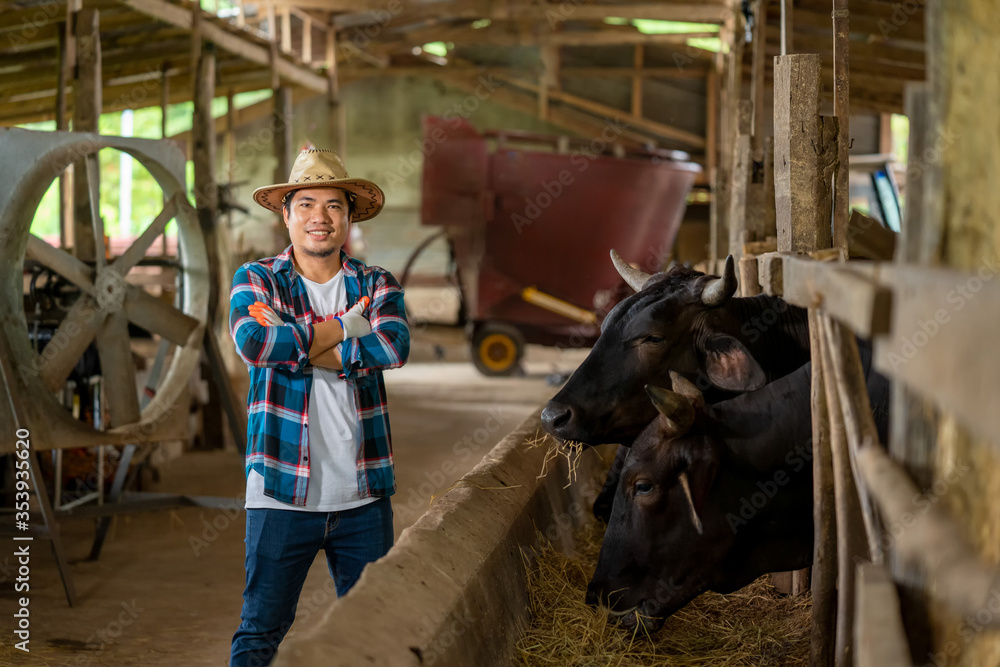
[[354, 323], [264, 315]]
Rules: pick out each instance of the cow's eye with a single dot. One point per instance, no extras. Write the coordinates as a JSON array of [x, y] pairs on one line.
[[642, 488], [653, 338]]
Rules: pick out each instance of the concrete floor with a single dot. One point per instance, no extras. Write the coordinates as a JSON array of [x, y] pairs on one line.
[[167, 588]]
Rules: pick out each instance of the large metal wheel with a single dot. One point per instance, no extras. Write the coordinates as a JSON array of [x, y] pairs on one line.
[[32, 160]]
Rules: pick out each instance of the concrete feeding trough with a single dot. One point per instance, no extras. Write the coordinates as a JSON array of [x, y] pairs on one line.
[[453, 590]]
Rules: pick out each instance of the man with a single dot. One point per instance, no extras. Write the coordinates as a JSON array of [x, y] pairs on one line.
[[316, 328]]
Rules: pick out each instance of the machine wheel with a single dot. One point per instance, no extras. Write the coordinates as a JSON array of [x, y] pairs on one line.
[[497, 349], [108, 302]]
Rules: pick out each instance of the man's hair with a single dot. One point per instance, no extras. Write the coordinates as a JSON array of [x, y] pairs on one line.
[[286, 201]]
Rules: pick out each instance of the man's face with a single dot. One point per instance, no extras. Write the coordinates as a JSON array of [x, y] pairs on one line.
[[318, 222]]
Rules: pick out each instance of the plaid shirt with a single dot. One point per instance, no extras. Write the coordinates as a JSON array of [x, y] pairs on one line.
[[281, 376]]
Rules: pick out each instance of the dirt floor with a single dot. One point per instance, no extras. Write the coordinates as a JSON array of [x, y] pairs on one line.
[[167, 588]]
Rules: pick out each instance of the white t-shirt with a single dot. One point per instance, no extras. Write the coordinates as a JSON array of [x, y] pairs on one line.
[[334, 431]]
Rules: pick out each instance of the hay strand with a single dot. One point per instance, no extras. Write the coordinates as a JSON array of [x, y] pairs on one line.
[[755, 626]]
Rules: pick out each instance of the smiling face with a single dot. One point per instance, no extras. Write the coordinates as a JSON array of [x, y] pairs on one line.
[[318, 221]]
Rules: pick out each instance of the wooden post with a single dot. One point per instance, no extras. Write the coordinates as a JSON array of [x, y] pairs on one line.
[[913, 437], [740, 181], [196, 43], [307, 39], [804, 155], [842, 110], [87, 105], [203, 156], [637, 61], [62, 124], [824, 568], [549, 79], [164, 115], [850, 544], [271, 20], [787, 27], [961, 200], [286, 28], [711, 118], [336, 115], [769, 225], [241, 17], [758, 77]]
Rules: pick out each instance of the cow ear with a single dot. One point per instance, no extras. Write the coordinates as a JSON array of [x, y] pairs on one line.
[[675, 408], [685, 387], [730, 365]]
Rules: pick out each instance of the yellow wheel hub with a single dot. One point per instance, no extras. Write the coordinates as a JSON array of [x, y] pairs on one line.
[[497, 351]]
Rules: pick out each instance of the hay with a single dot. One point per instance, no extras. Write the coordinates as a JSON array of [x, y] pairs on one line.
[[571, 450], [755, 626]]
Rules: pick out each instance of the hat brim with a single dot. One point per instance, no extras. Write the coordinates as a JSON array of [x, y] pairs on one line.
[[368, 200]]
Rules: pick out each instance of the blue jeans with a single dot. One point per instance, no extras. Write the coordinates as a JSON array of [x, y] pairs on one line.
[[281, 546]]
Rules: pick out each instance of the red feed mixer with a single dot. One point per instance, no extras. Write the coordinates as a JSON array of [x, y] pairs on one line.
[[531, 224]]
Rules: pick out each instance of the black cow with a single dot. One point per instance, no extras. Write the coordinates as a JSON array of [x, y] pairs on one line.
[[683, 321], [712, 497]]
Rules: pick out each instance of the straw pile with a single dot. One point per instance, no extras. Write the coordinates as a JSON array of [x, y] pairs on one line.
[[755, 626]]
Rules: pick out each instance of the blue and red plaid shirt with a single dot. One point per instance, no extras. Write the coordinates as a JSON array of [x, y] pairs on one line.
[[281, 375]]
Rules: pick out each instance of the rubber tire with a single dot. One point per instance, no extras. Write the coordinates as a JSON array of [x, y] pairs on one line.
[[497, 349]]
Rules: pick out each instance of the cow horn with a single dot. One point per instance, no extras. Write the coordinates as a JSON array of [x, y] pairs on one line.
[[685, 387], [683, 477], [634, 277], [718, 290], [676, 408]]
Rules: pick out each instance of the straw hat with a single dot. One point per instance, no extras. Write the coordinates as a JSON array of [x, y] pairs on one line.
[[318, 168]]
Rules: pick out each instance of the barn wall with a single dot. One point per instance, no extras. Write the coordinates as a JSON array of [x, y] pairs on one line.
[[965, 50], [383, 145]]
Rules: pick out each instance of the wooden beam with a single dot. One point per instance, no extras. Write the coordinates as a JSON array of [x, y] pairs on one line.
[[858, 301], [229, 41], [666, 131], [523, 11], [805, 156]]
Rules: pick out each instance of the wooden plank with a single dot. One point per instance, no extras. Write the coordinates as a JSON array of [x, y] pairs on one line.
[[805, 156], [942, 322], [879, 637], [229, 41], [858, 301]]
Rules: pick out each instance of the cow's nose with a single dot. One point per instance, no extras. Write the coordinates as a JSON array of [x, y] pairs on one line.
[[556, 416]]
